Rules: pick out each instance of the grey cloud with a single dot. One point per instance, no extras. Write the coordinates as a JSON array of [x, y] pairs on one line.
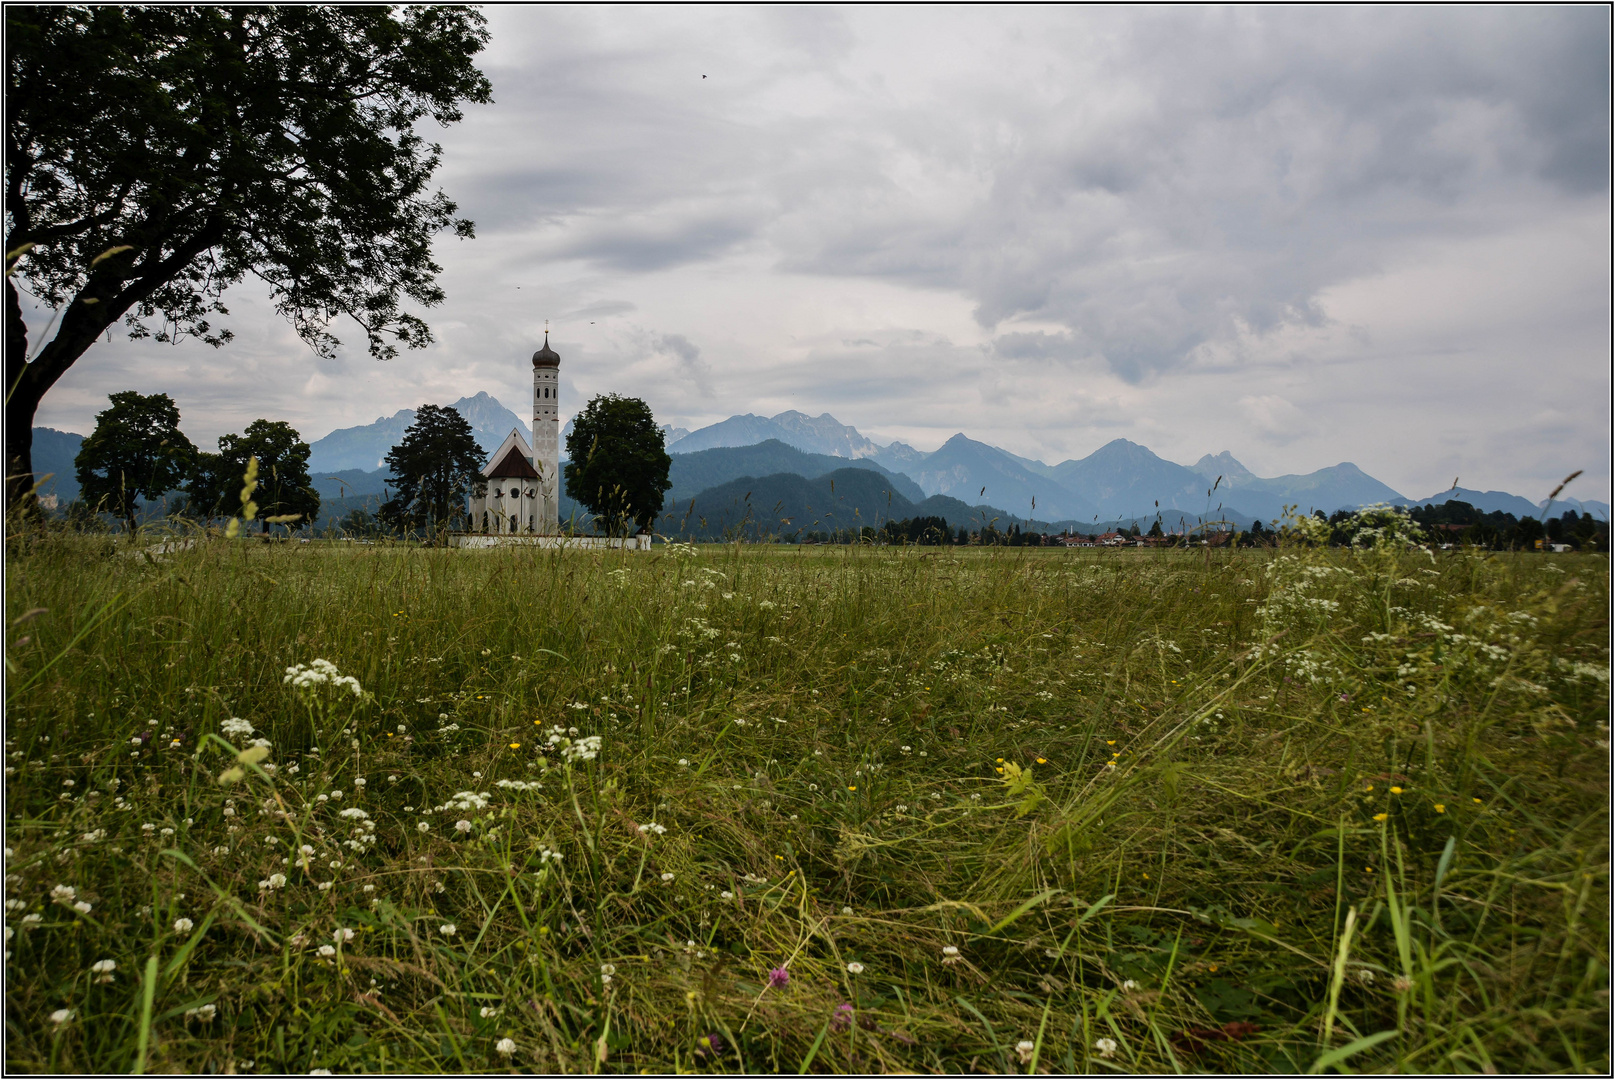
[[1255, 160], [656, 244], [602, 309]]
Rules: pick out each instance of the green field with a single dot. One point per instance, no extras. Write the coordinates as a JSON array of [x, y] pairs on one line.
[[983, 810]]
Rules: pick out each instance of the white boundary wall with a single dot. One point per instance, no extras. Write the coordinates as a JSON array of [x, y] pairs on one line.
[[578, 543]]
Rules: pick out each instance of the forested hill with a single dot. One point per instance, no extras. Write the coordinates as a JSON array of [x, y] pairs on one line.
[[701, 470]]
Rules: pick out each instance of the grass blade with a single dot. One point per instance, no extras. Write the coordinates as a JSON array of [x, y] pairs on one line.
[[1334, 1057], [148, 993]]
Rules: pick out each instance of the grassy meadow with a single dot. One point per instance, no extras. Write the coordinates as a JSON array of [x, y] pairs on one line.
[[766, 808]]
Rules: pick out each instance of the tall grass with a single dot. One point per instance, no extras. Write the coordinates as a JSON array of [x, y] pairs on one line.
[[1299, 811]]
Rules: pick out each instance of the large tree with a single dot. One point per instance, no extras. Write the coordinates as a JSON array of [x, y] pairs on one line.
[[135, 452], [284, 486], [434, 468], [618, 463], [156, 155]]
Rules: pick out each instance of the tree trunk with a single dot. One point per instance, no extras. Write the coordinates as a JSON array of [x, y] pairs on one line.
[[100, 303]]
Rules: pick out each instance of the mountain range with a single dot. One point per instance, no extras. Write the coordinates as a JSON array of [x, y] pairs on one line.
[[1120, 481]]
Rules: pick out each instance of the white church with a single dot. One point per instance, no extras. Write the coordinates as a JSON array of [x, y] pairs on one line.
[[524, 481], [522, 498]]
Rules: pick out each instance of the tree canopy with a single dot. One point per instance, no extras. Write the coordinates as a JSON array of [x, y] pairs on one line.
[[434, 468], [284, 486], [618, 463], [156, 155], [135, 452]]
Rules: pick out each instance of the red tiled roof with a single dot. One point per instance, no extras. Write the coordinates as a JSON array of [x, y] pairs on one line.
[[514, 464]]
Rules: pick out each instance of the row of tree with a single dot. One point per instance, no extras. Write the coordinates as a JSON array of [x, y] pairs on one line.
[[137, 451], [618, 469]]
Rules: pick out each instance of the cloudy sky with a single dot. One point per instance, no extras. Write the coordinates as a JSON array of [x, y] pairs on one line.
[[1303, 235]]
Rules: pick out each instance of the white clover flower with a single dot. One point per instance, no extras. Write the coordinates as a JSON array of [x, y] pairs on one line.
[[352, 812], [462, 826], [684, 761], [727, 895], [1024, 1050], [273, 881], [61, 1016], [652, 827], [327, 950], [667, 876], [342, 935], [103, 970], [423, 826], [1129, 985], [506, 1046], [32, 917], [489, 1012], [846, 911], [63, 894], [236, 728], [855, 968], [204, 1013], [448, 929], [545, 855], [16, 905], [82, 907], [586, 748], [1106, 1047], [325, 886]]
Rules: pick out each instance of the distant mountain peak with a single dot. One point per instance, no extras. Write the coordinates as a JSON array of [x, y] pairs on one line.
[[1225, 465]]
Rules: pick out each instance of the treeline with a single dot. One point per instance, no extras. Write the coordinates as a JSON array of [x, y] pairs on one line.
[[1452, 522], [138, 452], [1457, 522]]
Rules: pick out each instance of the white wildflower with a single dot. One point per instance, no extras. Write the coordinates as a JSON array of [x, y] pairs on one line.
[[236, 728]]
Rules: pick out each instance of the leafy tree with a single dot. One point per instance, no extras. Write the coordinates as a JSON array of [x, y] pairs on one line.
[[284, 486], [436, 466], [135, 452], [618, 462], [360, 522], [1155, 528], [156, 155], [1528, 532]]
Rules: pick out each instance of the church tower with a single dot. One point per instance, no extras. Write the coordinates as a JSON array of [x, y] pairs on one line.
[[547, 436]]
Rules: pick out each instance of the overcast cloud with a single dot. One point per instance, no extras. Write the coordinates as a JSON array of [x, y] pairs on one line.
[[1303, 235]]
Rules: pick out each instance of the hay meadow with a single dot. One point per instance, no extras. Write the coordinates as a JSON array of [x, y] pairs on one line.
[[764, 808]]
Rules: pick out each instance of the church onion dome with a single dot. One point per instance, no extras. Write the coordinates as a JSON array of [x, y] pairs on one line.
[[547, 357]]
